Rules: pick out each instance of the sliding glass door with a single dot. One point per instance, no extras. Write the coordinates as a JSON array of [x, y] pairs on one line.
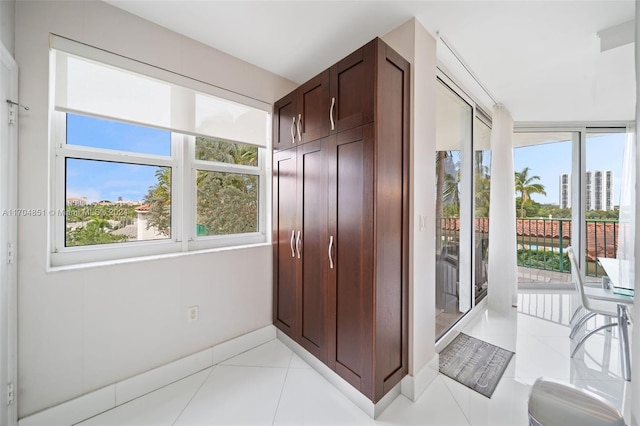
[[453, 143]]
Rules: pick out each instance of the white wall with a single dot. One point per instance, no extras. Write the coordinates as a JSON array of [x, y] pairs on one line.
[[82, 329], [413, 42], [7, 27]]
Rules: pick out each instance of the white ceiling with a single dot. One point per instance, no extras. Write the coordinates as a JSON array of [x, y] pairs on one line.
[[539, 58]]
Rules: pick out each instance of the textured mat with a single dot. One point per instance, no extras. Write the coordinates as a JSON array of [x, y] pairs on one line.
[[474, 363]]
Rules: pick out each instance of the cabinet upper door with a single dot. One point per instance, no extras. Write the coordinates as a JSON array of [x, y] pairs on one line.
[[352, 89], [285, 233], [284, 122], [313, 109]]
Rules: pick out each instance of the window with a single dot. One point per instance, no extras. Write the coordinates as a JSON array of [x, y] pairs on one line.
[[143, 165]]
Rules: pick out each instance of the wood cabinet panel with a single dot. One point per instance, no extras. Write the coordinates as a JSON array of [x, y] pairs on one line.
[[313, 181], [285, 114], [352, 88], [284, 230], [392, 227], [354, 257], [313, 108]]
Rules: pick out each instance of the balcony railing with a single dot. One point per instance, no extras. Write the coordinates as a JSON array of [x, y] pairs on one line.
[[542, 242]]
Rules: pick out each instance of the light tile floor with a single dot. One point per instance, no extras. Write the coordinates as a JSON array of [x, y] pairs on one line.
[[270, 385]]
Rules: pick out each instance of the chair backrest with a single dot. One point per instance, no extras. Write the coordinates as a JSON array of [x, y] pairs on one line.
[[578, 276]]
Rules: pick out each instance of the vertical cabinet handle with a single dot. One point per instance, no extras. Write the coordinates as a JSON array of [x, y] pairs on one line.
[[333, 104], [298, 244], [293, 126], [331, 252], [299, 127], [293, 233]]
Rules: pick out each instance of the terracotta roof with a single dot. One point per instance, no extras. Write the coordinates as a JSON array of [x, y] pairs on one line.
[[602, 236], [143, 208]]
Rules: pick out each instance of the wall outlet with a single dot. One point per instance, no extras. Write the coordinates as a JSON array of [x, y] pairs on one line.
[[192, 313]]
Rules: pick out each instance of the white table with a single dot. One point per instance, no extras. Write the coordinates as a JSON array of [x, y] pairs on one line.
[[612, 267]]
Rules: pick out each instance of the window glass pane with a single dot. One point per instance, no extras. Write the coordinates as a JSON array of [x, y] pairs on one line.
[[227, 203], [109, 202], [226, 152], [542, 166], [605, 154], [106, 134]]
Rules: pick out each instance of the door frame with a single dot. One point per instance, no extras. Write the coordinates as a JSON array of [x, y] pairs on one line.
[[8, 239]]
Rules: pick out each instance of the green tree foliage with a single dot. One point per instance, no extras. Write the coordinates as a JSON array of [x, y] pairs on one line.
[[482, 189], [526, 186], [603, 214], [159, 200], [531, 208], [96, 231], [227, 203], [554, 211], [544, 259]]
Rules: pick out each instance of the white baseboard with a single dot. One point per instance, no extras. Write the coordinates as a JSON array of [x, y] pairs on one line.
[[96, 402], [414, 386], [354, 395]]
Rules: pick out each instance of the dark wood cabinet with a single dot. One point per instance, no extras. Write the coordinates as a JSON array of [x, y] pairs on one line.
[[313, 109], [313, 222], [285, 114], [348, 238], [352, 89], [338, 99], [285, 268]]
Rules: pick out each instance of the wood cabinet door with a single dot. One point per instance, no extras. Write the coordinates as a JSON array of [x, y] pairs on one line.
[[313, 109], [285, 231], [351, 224], [352, 89], [284, 122], [312, 203]]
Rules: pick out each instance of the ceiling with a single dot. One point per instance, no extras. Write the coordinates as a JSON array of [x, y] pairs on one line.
[[541, 59]]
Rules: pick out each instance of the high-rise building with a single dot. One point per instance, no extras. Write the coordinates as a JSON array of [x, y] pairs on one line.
[[599, 190], [565, 191]]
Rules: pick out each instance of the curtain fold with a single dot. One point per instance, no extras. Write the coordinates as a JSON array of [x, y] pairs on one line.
[[626, 221], [503, 273]]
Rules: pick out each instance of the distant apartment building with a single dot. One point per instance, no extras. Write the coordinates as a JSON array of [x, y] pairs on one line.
[[565, 191], [78, 202], [599, 190]]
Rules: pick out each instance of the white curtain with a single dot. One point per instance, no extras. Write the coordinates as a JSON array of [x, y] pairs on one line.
[[503, 273], [626, 225]]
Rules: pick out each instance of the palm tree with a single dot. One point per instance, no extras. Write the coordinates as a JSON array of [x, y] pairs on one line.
[[526, 187]]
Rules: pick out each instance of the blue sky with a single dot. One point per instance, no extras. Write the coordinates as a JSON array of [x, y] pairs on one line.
[[98, 180], [551, 160]]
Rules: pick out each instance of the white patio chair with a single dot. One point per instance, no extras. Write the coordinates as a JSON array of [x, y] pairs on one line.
[[592, 307]]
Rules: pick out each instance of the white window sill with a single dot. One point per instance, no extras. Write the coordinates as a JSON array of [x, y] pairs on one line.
[[140, 259]]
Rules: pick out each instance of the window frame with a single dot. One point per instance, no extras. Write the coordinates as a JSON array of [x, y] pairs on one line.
[[209, 241], [61, 254], [184, 168]]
